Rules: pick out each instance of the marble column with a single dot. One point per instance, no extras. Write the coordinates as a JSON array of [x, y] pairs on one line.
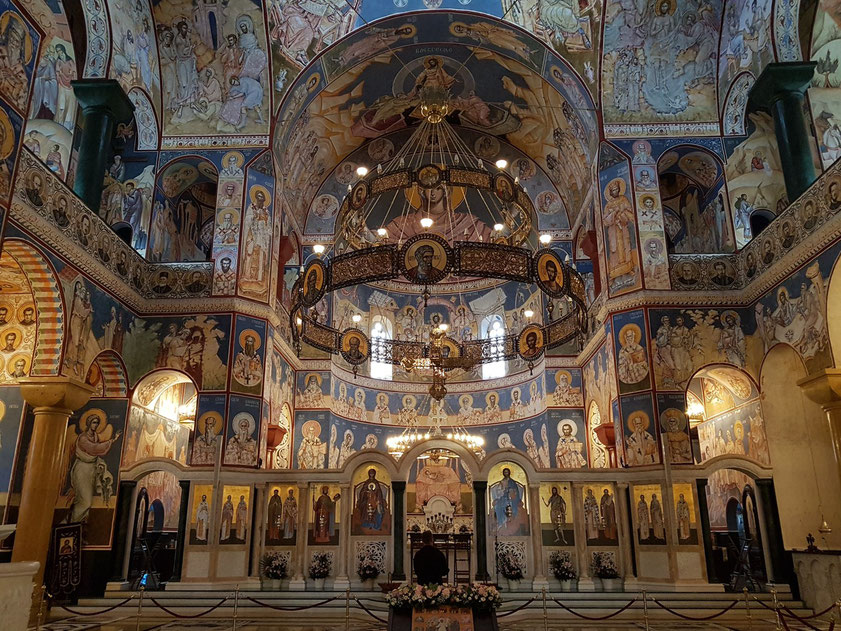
[[123, 534], [703, 522], [53, 400], [781, 89], [539, 571], [298, 581], [346, 503], [183, 526], [824, 388], [480, 530], [258, 528], [398, 490], [104, 104], [626, 537]]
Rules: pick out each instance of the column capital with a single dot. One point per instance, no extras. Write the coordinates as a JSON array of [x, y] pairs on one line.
[[823, 387], [58, 393], [103, 94], [398, 485], [778, 80]]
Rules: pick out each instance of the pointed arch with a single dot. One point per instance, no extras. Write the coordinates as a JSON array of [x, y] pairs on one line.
[[49, 305]]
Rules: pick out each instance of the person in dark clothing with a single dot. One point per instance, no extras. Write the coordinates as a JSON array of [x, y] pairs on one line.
[[430, 563]]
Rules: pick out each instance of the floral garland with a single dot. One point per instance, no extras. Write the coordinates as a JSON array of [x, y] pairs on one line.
[[477, 596]]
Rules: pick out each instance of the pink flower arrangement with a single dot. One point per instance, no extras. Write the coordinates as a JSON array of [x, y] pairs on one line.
[[476, 596]]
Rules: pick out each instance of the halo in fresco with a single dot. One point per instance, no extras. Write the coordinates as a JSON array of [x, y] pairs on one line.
[[530, 344], [314, 283], [426, 259], [354, 346]]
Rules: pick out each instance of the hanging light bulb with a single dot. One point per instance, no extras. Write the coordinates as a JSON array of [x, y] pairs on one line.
[[356, 317], [382, 232], [426, 222], [318, 248], [498, 227], [528, 313], [545, 238], [501, 163], [362, 171]]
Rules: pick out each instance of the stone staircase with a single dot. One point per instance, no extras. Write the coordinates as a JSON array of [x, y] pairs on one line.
[[307, 608]]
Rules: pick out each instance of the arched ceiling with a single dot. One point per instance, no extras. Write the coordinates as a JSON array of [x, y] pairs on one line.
[[512, 87]]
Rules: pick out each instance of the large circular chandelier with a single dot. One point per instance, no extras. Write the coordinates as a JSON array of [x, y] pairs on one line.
[[421, 240]]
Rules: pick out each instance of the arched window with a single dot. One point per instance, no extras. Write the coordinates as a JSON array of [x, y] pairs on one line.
[[493, 329], [380, 332]]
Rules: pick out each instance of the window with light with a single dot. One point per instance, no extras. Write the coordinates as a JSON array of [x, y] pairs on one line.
[[493, 329], [380, 332]]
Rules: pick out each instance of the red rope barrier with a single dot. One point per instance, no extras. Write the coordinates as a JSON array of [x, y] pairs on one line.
[[595, 618], [186, 616], [523, 606], [95, 613], [281, 608], [701, 619], [369, 612], [812, 617], [792, 616]]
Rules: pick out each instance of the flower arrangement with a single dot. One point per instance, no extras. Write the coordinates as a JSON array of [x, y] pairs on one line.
[[604, 566], [320, 565], [509, 566], [273, 566], [477, 596], [367, 569], [561, 566]]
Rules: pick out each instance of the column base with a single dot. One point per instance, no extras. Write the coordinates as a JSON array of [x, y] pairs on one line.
[[119, 586], [632, 584], [539, 582], [341, 583], [298, 584], [586, 584]]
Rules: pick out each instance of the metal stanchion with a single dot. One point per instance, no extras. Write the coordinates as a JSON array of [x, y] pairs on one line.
[[347, 609], [236, 605], [747, 608], [645, 609], [40, 617], [139, 608], [777, 609], [545, 614]]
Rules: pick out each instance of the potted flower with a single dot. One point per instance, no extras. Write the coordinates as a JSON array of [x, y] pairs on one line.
[[320, 566], [604, 568], [510, 568], [368, 571], [561, 565], [273, 569]]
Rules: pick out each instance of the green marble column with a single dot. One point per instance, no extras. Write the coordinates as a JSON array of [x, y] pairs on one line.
[[398, 490], [104, 104], [181, 537], [480, 530], [780, 90], [122, 531]]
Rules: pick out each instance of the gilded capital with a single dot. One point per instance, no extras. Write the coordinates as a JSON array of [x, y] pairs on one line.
[[63, 393]]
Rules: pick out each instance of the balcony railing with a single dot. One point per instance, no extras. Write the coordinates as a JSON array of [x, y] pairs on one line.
[[39, 190]]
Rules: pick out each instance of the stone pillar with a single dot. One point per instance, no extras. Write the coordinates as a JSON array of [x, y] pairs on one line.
[[585, 580], [824, 388], [703, 521], [342, 581], [539, 573], [53, 400], [123, 533], [480, 531], [627, 540], [183, 527], [104, 104], [298, 581], [258, 528], [398, 490], [780, 89]]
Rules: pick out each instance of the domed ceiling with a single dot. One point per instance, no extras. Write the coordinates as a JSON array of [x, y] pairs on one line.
[[510, 87]]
